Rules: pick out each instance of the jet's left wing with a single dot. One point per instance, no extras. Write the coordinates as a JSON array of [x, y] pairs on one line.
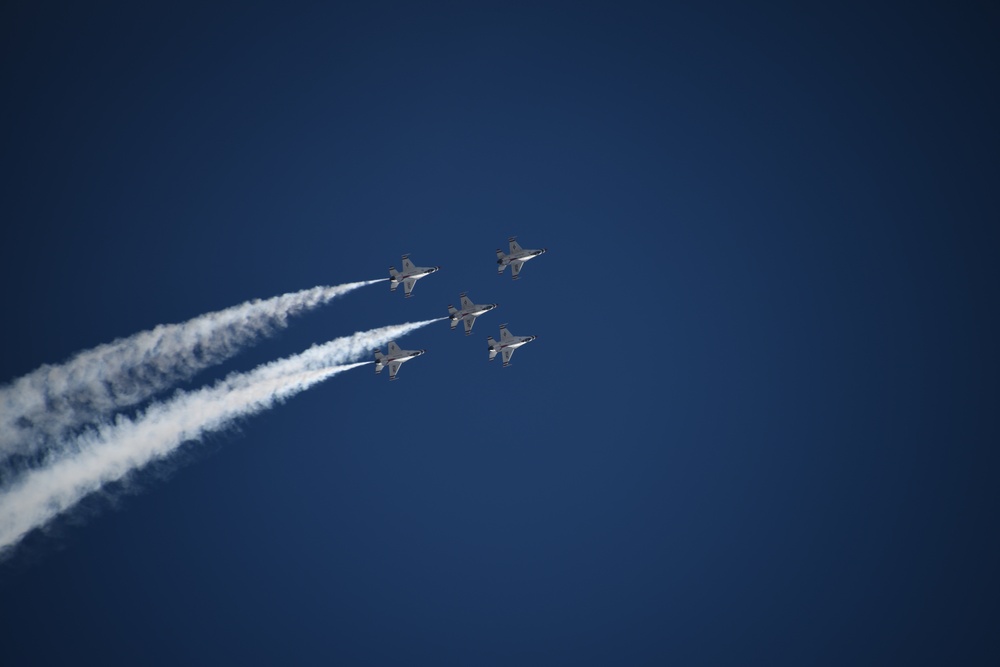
[[507, 353], [408, 284], [407, 264], [393, 348], [466, 303], [515, 267], [469, 320], [514, 246]]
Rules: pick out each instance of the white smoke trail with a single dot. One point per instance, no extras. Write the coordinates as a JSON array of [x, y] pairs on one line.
[[42, 407], [114, 450]]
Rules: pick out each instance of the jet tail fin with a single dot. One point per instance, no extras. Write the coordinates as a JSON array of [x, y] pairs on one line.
[[493, 347], [379, 361]]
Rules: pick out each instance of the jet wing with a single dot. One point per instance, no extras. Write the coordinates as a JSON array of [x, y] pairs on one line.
[[407, 265], [466, 303], [408, 284], [469, 320], [514, 246], [505, 335], [515, 267], [393, 348], [393, 368], [507, 352]]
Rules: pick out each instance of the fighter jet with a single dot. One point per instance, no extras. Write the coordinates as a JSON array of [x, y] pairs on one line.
[[516, 258], [508, 343], [409, 276], [396, 358], [470, 311]]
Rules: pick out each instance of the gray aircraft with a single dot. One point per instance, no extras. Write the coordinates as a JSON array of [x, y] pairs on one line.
[[508, 343], [516, 258], [409, 275], [395, 359], [470, 311]]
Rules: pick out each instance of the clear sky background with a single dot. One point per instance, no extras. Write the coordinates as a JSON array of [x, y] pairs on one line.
[[759, 423]]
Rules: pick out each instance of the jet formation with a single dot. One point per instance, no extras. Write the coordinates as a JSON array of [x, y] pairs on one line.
[[467, 314]]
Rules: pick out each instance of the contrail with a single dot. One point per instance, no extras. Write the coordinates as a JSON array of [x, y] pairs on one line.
[[114, 450], [47, 404]]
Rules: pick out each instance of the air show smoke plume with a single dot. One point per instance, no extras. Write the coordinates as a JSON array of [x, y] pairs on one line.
[[41, 408], [113, 451]]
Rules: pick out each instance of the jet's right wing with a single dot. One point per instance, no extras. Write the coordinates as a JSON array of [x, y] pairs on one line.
[[507, 352], [393, 368], [469, 320], [515, 267], [408, 284]]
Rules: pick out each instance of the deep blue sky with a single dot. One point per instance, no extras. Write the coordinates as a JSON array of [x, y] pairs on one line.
[[758, 425]]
